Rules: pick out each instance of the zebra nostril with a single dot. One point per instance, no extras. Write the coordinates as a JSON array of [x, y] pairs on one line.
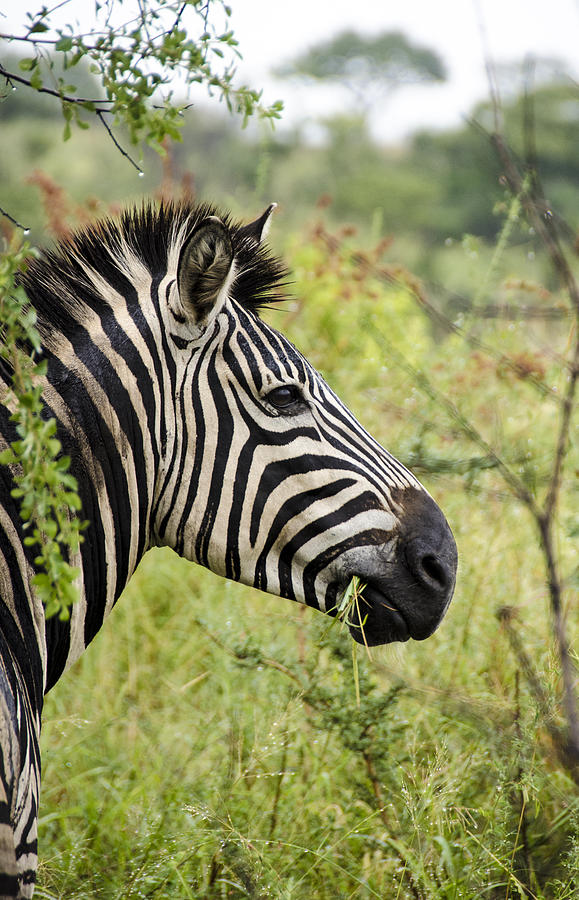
[[429, 547], [434, 571]]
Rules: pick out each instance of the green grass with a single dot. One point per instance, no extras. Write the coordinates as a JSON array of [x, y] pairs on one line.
[[216, 742]]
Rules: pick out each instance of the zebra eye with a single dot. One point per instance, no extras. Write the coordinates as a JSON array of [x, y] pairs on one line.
[[284, 397]]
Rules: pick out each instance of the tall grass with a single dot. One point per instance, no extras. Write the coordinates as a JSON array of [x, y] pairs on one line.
[[216, 742]]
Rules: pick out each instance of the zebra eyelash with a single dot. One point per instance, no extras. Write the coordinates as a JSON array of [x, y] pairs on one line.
[[286, 399]]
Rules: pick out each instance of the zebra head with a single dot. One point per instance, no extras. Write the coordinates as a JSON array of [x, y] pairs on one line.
[[273, 482]]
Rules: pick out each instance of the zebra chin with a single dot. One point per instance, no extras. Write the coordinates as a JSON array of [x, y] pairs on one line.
[[408, 581], [376, 620], [389, 610]]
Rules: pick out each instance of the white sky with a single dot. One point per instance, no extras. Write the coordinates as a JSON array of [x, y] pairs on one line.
[[271, 31]]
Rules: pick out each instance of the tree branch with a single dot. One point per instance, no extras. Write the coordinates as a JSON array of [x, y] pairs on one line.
[[101, 117], [14, 221], [545, 227], [65, 98]]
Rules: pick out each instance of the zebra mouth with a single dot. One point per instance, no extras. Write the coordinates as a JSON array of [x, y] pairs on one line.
[[374, 619]]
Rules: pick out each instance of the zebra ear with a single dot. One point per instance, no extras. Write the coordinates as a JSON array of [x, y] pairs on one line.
[[257, 231], [205, 270]]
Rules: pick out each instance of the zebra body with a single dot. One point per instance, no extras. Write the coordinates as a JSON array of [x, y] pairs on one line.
[[191, 423]]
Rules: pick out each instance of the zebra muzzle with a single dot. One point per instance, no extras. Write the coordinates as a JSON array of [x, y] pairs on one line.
[[409, 585], [375, 620]]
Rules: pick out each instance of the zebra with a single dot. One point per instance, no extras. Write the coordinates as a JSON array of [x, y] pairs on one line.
[[192, 423]]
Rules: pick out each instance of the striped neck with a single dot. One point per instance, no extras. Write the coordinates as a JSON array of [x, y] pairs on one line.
[[110, 406]]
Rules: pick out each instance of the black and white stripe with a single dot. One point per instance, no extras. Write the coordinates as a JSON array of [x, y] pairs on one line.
[[192, 423]]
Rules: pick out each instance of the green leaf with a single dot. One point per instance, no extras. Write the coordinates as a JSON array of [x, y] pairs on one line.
[[27, 64], [64, 44], [41, 580], [36, 81]]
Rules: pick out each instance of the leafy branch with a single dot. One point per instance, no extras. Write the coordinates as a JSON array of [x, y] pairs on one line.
[[140, 64], [45, 489]]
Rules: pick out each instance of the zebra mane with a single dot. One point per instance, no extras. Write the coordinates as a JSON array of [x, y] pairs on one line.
[[86, 271]]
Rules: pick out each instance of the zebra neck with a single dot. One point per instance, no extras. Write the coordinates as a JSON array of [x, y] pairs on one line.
[[109, 430]]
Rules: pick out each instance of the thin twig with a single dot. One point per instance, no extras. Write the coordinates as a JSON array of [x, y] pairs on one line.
[[180, 13], [507, 617], [542, 220], [568, 670], [547, 233], [489, 65], [100, 115], [539, 215], [14, 221], [46, 13]]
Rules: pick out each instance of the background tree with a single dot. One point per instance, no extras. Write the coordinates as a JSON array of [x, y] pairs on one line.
[[371, 68]]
